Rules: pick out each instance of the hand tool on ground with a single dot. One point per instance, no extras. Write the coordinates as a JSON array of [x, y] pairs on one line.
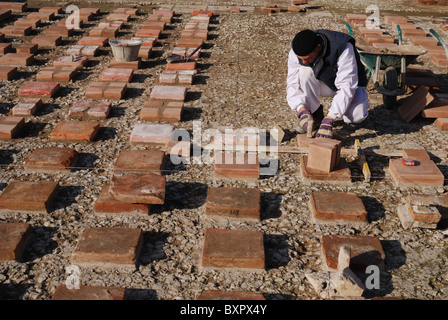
[[178, 59], [362, 161]]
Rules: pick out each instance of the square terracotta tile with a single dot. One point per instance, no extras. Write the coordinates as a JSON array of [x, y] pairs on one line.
[[75, 131], [108, 247], [234, 202], [337, 207], [51, 159], [138, 188], [107, 204], [140, 161], [236, 249], [13, 239], [28, 196], [424, 173], [365, 251], [11, 127], [89, 293]]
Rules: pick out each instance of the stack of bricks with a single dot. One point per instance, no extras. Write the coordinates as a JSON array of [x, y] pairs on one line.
[[166, 101], [372, 34], [437, 109], [155, 24], [420, 38]]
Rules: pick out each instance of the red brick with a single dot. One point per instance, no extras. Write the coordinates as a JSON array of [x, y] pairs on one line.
[[160, 18], [337, 207], [5, 14], [415, 32], [118, 17], [379, 39], [62, 31], [224, 248], [107, 204], [11, 126], [425, 173], [24, 22], [236, 165], [416, 154], [116, 74], [57, 73], [423, 40], [17, 59], [441, 123], [154, 25], [355, 16], [108, 247], [135, 65], [340, 174], [146, 41], [148, 32], [189, 43], [28, 196], [152, 134], [54, 10], [27, 106], [51, 159], [414, 104], [5, 48], [324, 154], [81, 50], [45, 16], [234, 202], [177, 93], [16, 30], [195, 34], [89, 293], [190, 65], [39, 89], [93, 41], [8, 72], [207, 13], [364, 251], [67, 61], [29, 48], [144, 52], [391, 19], [180, 51], [14, 6], [160, 110], [90, 109], [140, 161], [75, 131], [128, 11], [230, 295], [112, 24], [46, 40], [103, 32], [105, 90], [138, 188], [439, 60], [424, 214], [13, 240]]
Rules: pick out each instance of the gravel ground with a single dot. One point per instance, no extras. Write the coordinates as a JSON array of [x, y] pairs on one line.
[[242, 83]]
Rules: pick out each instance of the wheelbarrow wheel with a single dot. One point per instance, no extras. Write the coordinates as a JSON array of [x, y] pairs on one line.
[[390, 83]]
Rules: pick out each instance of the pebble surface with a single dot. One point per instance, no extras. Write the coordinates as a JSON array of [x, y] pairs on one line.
[[242, 83]]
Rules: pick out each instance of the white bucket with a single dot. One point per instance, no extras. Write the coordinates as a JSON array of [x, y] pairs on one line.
[[125, 50]]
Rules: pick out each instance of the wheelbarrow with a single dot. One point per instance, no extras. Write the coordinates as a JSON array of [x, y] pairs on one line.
[[393, 60]]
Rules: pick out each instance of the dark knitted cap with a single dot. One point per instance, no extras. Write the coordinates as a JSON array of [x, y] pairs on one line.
[[304, 42]]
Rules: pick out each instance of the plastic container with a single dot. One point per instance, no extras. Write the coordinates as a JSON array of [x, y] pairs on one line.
[[125, 50]]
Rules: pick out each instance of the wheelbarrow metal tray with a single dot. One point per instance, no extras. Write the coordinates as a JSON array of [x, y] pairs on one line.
[[390, 57]]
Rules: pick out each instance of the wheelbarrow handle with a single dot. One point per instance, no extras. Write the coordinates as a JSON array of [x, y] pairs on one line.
[[349, 29], [400, 37], [435, 34]]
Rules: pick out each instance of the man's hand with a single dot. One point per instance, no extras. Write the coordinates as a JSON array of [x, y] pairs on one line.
[[326, 128], [304, 115]]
